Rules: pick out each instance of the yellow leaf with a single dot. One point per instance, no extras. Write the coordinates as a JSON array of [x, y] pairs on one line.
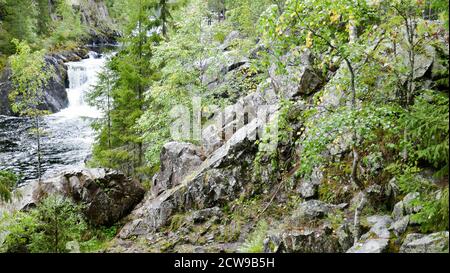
[[309, 41], [334, 17]]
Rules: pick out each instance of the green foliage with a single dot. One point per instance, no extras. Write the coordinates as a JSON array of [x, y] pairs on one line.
[[433, 216], [428, 135], [19, 21], [29, 76], [441, 7], [8, 181], [48, 228], [333, 129], [38, 24], [56, 225], [120, 92], [68, 27], [255, 241]]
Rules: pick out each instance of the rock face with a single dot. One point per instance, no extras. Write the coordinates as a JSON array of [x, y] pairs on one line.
[[419, 243], [106, 195], [318, 240], [199, 184], [307, 231], [199, 189]]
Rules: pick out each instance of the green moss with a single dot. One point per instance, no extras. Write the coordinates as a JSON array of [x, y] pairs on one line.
[[176, 222]]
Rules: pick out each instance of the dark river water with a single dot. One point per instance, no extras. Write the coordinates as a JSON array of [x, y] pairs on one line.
[[68, 137]]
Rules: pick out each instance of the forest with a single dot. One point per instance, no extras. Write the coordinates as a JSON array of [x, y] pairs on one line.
[[248, 126]]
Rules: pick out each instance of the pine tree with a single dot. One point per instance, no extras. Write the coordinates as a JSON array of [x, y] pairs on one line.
[[19, 22]]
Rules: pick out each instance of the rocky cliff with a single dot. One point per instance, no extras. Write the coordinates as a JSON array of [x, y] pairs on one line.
[[220, 197]]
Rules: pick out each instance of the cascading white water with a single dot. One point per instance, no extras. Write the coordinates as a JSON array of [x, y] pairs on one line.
[[82, 76], [68, 138]]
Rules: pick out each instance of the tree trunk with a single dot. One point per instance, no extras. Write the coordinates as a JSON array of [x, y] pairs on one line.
[[38, 137]]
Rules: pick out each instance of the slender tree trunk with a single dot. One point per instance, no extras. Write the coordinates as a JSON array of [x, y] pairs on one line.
[[410, 25], [140, 87], [38, 138], [108, 110], [355, 163], [56, 230]]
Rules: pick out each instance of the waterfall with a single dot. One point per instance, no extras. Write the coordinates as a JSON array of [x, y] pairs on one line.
[[68, 136], [82, 76]]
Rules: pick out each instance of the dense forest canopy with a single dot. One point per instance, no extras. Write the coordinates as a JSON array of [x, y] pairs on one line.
[[368, 93]]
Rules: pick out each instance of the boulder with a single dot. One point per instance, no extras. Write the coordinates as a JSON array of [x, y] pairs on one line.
[[313, 210], [299, 78], [377, 239], [228, 42], [220, 178], [421, 243], [106, 195], [309, 187], [400, 226], [380, 225], [399, 211], [408, 203], [177, 160], [370, 246]]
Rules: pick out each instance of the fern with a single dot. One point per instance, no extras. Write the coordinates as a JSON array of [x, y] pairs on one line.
[[255, 241]]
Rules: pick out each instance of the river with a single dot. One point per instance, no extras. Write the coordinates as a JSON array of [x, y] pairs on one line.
[[68, 137]]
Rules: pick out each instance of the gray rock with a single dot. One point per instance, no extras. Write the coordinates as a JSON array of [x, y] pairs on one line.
[[309, 187], [106, 195], [55, 95], [319, 240], [313, 209], [420, 243], [400, 226], [201, 216], [380, 225], [408, 203], [370, 246], [233, 36], [299, 77], [205, 186], [399, 211]]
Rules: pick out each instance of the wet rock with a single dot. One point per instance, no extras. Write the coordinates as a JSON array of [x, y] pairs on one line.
[[420, 243]]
